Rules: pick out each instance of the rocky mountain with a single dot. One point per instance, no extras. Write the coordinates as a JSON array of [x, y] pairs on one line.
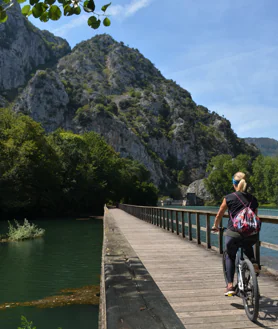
[[267, 146], [105, 86], [24, 49]]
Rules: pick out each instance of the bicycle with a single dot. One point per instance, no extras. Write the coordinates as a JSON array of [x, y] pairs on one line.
[[247, 284]]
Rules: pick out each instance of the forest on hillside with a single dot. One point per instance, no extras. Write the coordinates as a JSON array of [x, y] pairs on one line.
[[63, 173]]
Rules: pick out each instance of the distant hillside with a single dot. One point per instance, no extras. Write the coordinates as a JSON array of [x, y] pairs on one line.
[[268, 146]]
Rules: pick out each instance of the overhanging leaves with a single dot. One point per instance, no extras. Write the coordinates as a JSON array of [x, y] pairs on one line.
[[106, 22], [103, 8], [93, 22], [54, 13]]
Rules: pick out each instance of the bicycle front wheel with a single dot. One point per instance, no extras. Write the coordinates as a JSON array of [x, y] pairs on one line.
[[250, 294]]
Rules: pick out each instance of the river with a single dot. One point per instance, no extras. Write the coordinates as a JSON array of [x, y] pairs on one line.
[[68, 256]]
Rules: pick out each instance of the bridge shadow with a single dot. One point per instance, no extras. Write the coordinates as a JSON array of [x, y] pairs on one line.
[[268, 311]]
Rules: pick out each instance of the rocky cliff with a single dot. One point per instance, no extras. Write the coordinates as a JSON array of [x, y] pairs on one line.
[[24, 48], [105, 86]]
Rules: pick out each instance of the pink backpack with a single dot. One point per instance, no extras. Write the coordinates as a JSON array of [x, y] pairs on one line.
[[246, 221]]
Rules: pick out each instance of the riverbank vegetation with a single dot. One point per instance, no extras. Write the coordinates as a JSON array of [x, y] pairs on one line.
[[19, 232], [27, 324], [262, 176], [63, 173]]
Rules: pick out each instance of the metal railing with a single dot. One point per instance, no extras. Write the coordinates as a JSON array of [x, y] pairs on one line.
[[195, 225]]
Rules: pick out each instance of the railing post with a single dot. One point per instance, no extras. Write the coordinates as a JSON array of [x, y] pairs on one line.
[[177, 223], [172, 221], [160, 222], [189, 227], [258, 251], [168, 224], [208, 232], [164, 212], [182, 223], [220, 239], [157, 216], [198, 228]]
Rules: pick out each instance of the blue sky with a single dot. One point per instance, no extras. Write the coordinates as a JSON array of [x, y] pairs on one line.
[[224, 52]]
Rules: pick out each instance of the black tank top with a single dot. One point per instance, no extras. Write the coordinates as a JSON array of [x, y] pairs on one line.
[[234, 205]]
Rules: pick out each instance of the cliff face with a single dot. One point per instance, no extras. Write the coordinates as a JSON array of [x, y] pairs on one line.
[[23, 48], [105, 86]]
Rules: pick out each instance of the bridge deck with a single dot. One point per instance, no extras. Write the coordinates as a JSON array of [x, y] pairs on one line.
[[191, 278]]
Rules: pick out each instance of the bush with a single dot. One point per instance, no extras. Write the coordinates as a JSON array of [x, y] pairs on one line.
[[26, 324], [25, 231]]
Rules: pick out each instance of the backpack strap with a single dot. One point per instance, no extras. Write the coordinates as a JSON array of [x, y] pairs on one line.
[[242, 201]]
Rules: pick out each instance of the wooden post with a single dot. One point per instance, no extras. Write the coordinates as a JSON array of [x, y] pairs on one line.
[[220, 239], [172, 221], [198, 228], [189, 227], [160, 222], [257, 251], [168, 224], [208, 232], [157, 216], [177, 223], [164, 212], [182, 225]]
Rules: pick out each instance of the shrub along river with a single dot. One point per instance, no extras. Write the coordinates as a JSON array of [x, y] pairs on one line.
[[53, 274]]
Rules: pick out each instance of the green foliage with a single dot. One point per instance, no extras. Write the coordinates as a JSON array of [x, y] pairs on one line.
[[24, 231], [265, 179], [25, 324], [262, 175], [50, 9], [63, 173], [221, 169]]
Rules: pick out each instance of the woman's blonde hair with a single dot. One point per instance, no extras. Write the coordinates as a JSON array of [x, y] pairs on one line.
[[242, 185]]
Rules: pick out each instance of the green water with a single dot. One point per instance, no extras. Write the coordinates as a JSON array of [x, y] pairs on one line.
[[68, 256]]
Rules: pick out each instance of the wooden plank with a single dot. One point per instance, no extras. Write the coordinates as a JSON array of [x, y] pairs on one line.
[[269, 245]]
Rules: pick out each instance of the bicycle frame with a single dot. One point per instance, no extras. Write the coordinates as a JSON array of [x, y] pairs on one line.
[[240, 278]]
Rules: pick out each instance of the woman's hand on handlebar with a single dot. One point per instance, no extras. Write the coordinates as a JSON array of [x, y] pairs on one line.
[[215, 229]]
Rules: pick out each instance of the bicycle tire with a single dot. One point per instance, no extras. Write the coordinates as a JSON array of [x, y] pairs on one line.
[[224, 266], [251, 290]]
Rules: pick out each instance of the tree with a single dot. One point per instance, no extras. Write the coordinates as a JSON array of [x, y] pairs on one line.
[[28, 165], [265, 179], [53, 10], [221, 169]]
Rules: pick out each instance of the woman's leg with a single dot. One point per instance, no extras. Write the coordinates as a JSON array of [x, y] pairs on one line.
[[248, 249], [232, 245]]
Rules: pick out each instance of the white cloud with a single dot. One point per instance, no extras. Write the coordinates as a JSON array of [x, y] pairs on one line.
[[119, 11], [250, 120], [75, 22], [127, 10]]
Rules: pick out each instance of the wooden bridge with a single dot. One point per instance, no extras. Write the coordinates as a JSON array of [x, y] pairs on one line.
[[154, 279]]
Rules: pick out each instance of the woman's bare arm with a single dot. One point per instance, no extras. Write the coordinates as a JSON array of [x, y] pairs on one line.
[[219, 215]]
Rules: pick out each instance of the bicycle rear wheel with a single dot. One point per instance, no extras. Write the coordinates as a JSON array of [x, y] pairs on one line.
[[250, 294]]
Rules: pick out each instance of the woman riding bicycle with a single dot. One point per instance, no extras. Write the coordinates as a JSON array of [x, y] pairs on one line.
[[235, 202]]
